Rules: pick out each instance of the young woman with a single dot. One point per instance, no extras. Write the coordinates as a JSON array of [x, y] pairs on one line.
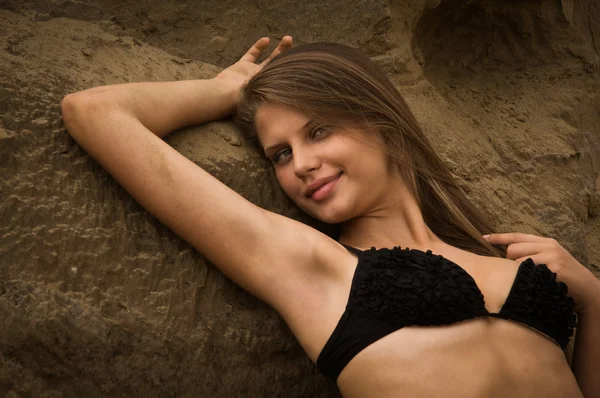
[[381, 319]]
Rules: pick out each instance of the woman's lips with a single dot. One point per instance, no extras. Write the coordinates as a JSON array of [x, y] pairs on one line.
[[324, 191]]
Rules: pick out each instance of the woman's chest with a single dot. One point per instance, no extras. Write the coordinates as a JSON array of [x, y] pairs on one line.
[[400, 291]]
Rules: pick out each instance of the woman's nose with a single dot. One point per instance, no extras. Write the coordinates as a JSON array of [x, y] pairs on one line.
[[305, 161]]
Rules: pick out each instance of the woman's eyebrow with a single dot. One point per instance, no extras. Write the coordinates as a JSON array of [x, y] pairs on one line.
[[308, 124]]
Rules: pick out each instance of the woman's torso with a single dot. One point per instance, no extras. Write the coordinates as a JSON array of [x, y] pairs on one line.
[[481, 357]]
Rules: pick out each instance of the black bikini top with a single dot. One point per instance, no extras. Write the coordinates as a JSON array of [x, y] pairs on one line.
[[394, 288]]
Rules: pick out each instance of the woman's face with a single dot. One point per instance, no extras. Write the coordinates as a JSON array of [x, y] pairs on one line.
[[333, 174]]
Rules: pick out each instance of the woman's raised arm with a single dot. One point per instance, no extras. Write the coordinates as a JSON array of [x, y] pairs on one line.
[[269, 255], [161, 107]]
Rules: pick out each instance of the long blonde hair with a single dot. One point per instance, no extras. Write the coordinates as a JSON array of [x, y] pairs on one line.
[[341, 86]]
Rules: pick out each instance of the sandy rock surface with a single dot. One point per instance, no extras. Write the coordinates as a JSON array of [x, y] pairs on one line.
[[98, 299]]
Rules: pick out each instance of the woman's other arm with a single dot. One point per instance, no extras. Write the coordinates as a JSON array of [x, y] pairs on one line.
[[586, 353]]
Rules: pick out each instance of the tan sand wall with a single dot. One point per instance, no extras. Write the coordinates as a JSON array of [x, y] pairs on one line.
[[97, 299]]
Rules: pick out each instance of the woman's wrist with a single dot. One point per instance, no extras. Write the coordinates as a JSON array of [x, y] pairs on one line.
[[230, 89]]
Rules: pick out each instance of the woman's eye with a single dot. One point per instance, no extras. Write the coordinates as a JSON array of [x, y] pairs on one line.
[[319, 131], [280, 156], [284, 154]]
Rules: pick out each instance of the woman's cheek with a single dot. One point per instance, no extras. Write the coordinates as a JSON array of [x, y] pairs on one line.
[[289, 186]]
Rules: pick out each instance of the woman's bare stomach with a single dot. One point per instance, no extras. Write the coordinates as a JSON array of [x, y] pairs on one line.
[[482, 357]]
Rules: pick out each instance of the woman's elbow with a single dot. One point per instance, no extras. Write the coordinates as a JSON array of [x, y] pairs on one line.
[[71, 108], [69, 104], [77, 108]]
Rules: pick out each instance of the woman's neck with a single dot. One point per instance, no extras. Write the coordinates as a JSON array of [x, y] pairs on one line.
[[393, 225]]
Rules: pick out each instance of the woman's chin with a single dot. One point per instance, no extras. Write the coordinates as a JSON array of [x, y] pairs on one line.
[[327, 217]]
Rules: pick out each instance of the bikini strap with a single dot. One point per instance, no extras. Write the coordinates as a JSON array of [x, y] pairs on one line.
[[354, 250]]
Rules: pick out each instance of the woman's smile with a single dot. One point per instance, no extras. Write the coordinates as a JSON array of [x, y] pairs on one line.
[[324, 190]]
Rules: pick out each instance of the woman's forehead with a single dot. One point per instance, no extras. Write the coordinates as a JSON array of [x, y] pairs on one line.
[[275, 122], [270, 115]]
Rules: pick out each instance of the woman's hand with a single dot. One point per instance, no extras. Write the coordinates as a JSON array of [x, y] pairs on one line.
[[583, 285], [239, 73]]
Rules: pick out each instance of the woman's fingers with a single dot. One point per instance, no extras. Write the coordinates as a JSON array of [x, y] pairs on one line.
[[513, 237], [515, 251], [284, 44], [254, 52]]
